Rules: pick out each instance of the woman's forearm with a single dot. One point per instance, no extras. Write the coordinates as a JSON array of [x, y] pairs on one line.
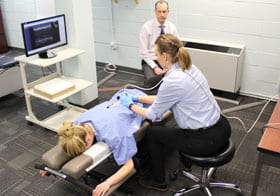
[[139, 110], [147, 99]]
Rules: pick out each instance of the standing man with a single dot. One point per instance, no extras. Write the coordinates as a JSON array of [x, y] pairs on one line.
[[150, 31]]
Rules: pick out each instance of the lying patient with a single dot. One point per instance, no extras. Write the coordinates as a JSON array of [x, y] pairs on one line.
[[114, 125]]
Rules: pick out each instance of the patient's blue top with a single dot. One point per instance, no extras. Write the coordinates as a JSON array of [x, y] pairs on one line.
[[115, 126]]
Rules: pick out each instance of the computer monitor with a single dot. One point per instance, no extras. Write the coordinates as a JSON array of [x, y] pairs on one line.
[[44, 34]]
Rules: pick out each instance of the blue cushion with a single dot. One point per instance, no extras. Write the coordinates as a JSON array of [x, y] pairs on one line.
[[6, 62]]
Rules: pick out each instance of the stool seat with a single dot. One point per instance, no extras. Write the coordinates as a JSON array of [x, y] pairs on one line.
[[208, 166], [221, 158]]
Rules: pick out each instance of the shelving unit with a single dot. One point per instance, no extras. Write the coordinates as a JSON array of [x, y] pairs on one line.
[[70, 112]]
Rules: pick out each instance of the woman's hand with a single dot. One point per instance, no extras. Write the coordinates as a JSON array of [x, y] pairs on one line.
[[125, 99], [101, 189]]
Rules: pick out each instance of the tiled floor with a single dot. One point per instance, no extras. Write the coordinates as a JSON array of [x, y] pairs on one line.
[[21, 146]]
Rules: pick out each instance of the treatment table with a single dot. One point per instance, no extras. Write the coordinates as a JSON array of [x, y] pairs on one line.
[[57, 163]]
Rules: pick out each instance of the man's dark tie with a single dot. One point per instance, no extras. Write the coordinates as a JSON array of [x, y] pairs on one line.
[[161, 29]]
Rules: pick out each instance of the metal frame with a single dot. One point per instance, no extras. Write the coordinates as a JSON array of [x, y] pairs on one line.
[[70, 110], [204, 182]]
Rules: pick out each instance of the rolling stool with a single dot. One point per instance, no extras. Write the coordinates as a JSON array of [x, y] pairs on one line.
[[208, 165]]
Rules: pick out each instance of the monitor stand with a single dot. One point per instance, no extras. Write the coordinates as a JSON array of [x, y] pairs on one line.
[[47, 55]]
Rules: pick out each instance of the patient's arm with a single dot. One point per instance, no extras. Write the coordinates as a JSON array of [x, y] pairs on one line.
[[103, 187]]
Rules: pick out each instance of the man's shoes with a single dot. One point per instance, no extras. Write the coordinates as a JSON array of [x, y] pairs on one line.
[[150, 183]]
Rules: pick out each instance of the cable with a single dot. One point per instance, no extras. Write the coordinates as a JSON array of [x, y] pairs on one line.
[[270, 124], [214, 104], [110, 68], [271, 127], [253, 125], [251, 128], [141, 88]]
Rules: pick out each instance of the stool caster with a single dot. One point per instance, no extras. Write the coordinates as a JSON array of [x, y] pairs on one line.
[[213, 175]]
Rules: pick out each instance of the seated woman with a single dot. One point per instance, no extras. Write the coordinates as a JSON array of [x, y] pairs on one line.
[[201, 130], [108, 122]]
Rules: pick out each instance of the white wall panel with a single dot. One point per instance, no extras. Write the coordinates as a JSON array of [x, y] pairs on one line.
[[266, 60], [103, 25], [127, 56], [219, 8], [253, 23], [197, 7], [14, 13], [256, 11], [260, 81], [270, 29], [101, 3], [103, 37], [101, 13], [104, 52], [127, 40]]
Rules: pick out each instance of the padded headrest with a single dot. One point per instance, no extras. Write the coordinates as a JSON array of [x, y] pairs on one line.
[[55, 158], [77, 166]]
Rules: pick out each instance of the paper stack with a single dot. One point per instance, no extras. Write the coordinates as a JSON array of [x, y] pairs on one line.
[[54, 88]]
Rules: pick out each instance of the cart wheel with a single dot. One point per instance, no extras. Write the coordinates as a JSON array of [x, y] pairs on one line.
[[60, 107], [173, 176]]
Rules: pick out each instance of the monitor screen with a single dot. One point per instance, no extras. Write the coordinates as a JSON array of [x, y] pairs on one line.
[[44, 34]]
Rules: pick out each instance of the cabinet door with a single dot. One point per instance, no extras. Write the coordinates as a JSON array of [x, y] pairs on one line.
[[3, 41]]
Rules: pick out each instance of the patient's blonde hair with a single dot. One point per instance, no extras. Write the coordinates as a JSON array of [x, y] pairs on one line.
[[72, 138]]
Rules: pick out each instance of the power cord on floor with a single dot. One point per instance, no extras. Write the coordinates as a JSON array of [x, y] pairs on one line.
[[271, 127], [141, 88], [253, 125], [110, 68], [261, 112]]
